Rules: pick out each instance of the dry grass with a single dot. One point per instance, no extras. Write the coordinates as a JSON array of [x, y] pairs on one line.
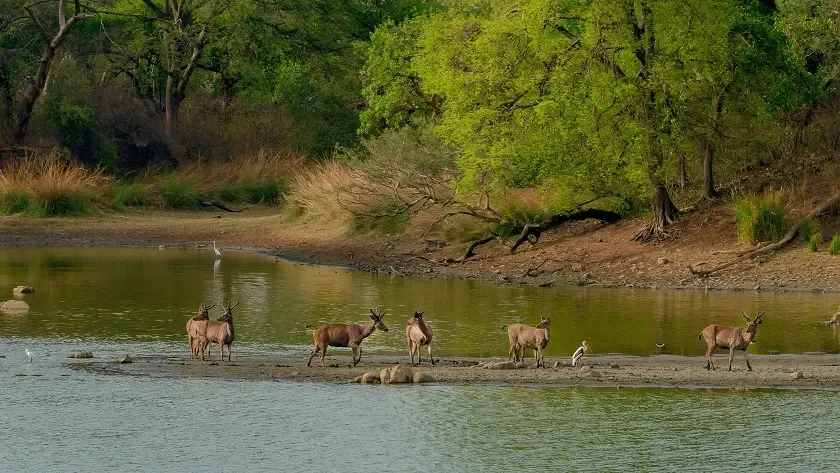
[[50, 186], [315, 191]]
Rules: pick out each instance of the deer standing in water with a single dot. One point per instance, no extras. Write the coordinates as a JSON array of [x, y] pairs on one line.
[[724, 336], [345, 335], [418, 333]]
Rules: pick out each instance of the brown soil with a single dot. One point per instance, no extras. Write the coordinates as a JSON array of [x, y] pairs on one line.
[[769, 371], [578, 253]]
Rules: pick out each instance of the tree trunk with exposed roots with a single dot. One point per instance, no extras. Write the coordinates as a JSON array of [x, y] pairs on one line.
[[663, 215]]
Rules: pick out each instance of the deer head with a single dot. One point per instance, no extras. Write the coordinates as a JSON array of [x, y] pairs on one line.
[[752, 325], [377, 319], [227, 314], [203, 311], [544, 322]]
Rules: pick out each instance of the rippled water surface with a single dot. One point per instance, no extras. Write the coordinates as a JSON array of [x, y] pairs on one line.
[[55, 416]]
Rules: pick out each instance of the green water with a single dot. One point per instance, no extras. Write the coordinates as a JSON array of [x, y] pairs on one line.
[[55, 417], [146, 296]]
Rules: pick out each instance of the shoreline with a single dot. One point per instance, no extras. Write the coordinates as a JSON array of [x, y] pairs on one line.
[[808, 372], [263, 231]]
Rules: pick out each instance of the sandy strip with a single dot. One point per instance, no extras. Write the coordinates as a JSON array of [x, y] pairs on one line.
[[769, 371]]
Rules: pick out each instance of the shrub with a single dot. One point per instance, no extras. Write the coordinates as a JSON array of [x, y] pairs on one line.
[[131, 195], [761, 218], [834, 246], [814, 242], [807, 229], [255, 190], [181, 194], [385, 217], [14, 201]]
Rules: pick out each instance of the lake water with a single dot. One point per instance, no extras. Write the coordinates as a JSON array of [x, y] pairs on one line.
[[56, 417]]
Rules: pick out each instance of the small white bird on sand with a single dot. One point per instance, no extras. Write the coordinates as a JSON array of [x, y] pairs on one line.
[[29, 354], [216, 250], [579, 353]]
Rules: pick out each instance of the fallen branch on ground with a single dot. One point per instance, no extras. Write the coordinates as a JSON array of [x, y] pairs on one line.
[[214, 204], [471, 249], [742, 252], [535, 231], [775, 246]]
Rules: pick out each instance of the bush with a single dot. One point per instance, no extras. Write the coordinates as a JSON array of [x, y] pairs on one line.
[[181, 194], [834, 246], [131, 195], [814, 242], [14, 201], [255, 190], [761, 218], [807, 229], [385, 218]]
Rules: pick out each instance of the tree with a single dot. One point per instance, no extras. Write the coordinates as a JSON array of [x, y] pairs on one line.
[[52, 42]]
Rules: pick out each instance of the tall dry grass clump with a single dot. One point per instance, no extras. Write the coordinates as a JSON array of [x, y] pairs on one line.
[[50, 186], [314, 191]]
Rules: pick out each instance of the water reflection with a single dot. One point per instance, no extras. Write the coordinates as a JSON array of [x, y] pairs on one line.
[[146, 295]]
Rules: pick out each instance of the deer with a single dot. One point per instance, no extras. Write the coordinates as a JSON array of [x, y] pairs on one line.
[[221, 332], [417, 334], [345, 335], [523, 336], [723, 336], [196, 327]]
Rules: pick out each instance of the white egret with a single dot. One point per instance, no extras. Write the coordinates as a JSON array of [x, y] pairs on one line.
[[579, 353], [29, 354], [216, 250]]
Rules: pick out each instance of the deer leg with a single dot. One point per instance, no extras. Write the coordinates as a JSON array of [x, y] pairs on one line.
[[221, 352], [430, 354], [229, 352], [749, 368], [312, 355], [731, 356], [323, 355], [411, 352], [354, 347], [709, 363], [419, 355]]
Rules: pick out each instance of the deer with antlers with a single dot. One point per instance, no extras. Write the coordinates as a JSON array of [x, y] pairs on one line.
[[723, 336], [220, 331], [196, 327], [345, 335]]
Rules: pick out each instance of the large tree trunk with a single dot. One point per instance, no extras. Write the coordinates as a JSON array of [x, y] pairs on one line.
[[35, 85], [663, 209], [171, 107]]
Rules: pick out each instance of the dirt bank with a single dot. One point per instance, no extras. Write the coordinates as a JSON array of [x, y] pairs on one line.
[[582, 253], [769, 371]]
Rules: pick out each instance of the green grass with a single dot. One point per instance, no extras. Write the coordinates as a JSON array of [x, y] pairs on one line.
[[58, 204], [265, 190], [807, 229], [834, 246], [814, 242], [761, 218], [181, 194], [130, 195], [14, 202]]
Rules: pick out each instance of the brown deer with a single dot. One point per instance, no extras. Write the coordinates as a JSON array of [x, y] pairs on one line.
[[523, 336], [723, 336], [196, 327], [418, 333], [221, 332], [345, 335]]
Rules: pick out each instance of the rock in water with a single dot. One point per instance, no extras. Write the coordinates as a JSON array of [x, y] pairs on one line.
[[81, 354], [125, 359], [423, 378], [23, 290], [14, 305], [371, 378]]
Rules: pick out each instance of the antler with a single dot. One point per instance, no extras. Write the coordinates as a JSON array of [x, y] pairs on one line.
[[759, 315], [746, 316]]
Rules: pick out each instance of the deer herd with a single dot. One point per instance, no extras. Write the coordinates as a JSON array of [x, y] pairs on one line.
[[202, 332]]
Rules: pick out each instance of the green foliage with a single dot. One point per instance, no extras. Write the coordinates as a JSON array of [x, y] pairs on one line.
[[808, 229], [12, 202], [58, 203], [814, 242], [181, 194], [265, 190], [834, 245], [761, 218], [131, 194]]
